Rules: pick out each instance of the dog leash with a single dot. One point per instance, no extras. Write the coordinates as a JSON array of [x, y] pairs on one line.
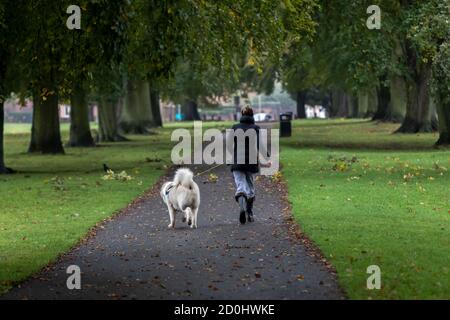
[[203, 172]]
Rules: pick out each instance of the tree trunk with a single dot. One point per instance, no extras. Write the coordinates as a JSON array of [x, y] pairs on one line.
[[335, 100], [418, 117], [2, 121], [156, 108], [352, 106], [301, 102], [433, 116], [46, 135], [33, 140], [3, 168], [334, 103], [372, 103], [342, 111], [191, 111], [397, 107], [443, 111], [145, 104], [136, 116], [80, 132], [363, 104], [384, 100], [107, 119], [339, 104], [326, 102], [91, 113]]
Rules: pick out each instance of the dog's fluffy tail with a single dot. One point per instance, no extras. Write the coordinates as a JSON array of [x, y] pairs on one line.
[[184, 177]]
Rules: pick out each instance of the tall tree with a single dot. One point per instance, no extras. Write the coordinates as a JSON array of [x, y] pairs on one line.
[[10, 32], [108, 124], [155, 105], [43, 64], [3, 168], [4, 59], [137, 114], [84, 53], [190, 86], [427, 32], [423, 26], [397, 108], [442, 77], [299, 74], [100, 42], [159, 34], [360, 60], [108, 85], [46, 136], [3, 65], [441, 72], [384, 101], [215, 39], [80, 131], [340, 104], [367, 103], [108, 91]]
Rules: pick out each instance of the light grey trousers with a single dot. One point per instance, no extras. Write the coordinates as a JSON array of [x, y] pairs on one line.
[[244, 183]]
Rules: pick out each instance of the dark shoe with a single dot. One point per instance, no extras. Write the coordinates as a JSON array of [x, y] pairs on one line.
[[242, 206], [249, 210]]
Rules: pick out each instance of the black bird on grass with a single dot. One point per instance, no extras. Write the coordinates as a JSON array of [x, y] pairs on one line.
[[106, 168]]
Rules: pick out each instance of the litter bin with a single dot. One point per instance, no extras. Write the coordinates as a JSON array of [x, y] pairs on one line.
[[285, 124]]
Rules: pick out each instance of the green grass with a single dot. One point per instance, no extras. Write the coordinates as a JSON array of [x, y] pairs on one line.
[[54, 200], [364, 203], [389, 206], [15, 128]]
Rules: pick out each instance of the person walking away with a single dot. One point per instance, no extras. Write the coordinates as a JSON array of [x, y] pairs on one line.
[[246, 164]]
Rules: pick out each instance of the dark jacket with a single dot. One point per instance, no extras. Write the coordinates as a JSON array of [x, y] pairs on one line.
[[246, 123]]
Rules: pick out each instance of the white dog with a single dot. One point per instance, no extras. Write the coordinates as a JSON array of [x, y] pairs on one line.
[[182, 194]]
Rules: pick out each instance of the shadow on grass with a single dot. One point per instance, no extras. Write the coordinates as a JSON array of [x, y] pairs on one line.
[[327, 123], [385, 146], [358, 135]]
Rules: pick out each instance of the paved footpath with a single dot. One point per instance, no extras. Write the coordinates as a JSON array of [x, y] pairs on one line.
[[135, 256]]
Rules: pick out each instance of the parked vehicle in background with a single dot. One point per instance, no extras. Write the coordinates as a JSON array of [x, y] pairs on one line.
[[316, 112], [262, 117]]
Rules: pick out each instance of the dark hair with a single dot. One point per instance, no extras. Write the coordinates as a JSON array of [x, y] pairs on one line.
[[247, 111]]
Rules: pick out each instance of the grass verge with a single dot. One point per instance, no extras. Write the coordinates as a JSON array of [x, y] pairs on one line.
[[53, 200], [365, 204]]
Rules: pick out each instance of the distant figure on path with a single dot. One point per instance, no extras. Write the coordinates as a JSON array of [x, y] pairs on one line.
[[246, 164]]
